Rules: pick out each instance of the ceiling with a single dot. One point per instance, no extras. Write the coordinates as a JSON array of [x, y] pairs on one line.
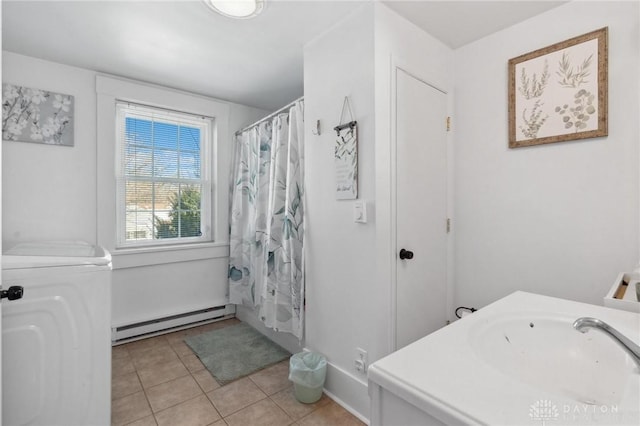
[[457, 23], [182, 44]]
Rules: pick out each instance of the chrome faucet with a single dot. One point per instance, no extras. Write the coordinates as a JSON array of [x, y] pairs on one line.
[[585, 323]]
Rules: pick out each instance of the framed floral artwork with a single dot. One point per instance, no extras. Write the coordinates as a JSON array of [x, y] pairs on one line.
[[35, 115], [559, 93]]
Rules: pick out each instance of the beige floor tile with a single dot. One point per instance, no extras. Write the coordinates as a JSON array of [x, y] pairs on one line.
[[161, 365], [262, 413], [273, 379], [235, 396], [152, 356], [144, 344], [205, 380], [125, 384], [330, 414], [194, 412], [181, 348], [129, 408], [119, 352], [192, 363], [122, 365], [147, 421], [172, 393], [177, 336], [295, 409], [160, 373]]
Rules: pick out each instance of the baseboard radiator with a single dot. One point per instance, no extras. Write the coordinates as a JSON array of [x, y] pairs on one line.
[[154, 327]]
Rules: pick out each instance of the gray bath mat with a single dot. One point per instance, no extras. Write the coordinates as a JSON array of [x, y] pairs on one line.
[[235, 351]]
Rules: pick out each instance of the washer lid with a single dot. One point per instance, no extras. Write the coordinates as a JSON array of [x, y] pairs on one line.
[[54, 253]]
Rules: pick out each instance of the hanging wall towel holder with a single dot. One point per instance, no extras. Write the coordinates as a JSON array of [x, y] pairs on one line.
[[350, 124]]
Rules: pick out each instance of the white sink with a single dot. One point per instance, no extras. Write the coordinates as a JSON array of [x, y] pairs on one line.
[[516, 361], [545, 351]]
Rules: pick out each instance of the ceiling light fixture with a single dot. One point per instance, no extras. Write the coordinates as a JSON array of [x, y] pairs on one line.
[[238, 9]]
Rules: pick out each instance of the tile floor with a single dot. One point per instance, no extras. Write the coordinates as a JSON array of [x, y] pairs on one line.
[[159, 381]]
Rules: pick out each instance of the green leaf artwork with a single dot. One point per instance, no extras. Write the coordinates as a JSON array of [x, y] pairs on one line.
[[533, 121], [570, 76], [531, 87], [560, 92], [577, 115], [346, 162]]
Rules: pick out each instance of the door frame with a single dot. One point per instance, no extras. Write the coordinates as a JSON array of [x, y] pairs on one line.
[[1, 249], [400, 64]]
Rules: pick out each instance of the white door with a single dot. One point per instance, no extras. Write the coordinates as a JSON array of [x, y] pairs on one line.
[[421, 208], [1, 275], [0, 267], [0, 264]]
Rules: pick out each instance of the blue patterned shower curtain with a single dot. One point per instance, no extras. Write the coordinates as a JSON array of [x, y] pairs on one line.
[[266, 264]]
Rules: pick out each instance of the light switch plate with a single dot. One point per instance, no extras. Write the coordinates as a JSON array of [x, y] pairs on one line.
[[360, 211]]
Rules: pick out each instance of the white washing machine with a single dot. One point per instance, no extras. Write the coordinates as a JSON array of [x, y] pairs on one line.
[[56, 347]]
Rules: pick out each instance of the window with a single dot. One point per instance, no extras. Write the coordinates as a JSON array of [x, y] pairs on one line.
[[163, 176]]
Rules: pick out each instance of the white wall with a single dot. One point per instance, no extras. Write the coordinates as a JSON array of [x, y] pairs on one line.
[[558, 219], [348, 264], [340, 254], [49, 192]]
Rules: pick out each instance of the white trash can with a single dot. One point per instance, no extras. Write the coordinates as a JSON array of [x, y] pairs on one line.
[[307, 371]]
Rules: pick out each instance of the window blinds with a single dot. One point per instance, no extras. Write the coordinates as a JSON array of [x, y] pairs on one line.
[[163, 175]]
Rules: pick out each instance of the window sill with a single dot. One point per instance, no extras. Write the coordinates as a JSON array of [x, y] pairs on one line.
[[158, 255]]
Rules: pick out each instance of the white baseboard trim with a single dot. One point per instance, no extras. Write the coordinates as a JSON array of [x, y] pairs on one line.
[[348, 391], [154, 327], [347, 407]]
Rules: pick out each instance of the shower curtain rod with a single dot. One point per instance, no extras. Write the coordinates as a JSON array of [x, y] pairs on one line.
[[289, 105]]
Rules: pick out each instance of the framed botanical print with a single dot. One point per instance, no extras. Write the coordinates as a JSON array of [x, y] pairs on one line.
[[559, 93]]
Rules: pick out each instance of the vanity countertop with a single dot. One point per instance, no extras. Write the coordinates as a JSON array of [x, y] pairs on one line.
[[519, 361]]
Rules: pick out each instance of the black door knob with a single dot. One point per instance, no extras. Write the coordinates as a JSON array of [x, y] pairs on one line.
[[406, 254], [12, 293]]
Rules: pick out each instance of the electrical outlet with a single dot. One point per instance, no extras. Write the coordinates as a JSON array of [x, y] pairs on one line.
[[361, 361]]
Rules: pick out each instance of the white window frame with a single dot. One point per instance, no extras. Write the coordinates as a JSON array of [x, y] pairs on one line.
[[205, 124], [111, 89]]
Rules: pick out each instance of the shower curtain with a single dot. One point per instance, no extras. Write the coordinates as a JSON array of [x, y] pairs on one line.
[[266, 265]]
